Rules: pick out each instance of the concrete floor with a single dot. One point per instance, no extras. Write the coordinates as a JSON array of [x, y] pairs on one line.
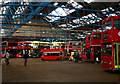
[[55, 71]]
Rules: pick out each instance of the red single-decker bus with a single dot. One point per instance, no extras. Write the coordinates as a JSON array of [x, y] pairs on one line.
[[52, 54]]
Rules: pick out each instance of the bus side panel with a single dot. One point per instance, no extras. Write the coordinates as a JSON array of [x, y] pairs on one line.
[[17, 55], [54, 57], [106, 62], [50, 57]]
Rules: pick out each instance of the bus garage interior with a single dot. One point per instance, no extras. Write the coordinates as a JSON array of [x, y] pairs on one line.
[[65, 41]]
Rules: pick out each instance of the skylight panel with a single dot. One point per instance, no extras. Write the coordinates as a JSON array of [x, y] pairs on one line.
[[90, 18], [104, 11], [54, 13], [89, 1], [2, 31], [79, 6], [74, 4], [111, 8], [55, 4], [88, 22], [72, 10], [61, 12], [93, 21], [85, 17], [63, 25], [107, 9], [64, 11], [117, 11], [98, 20], [6, 1], [112, 14], [67, 11], [4, 9], [90, 15]]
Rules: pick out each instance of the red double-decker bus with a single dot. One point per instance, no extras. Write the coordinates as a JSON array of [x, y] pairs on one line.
[[111, 43], [95, 46], [86, 47], [22, 47], [52, 54], [9, 46], [3, 48], [88, 42], [72, 47]]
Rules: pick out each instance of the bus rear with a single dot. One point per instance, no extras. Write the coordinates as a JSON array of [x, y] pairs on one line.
[[95, 46]]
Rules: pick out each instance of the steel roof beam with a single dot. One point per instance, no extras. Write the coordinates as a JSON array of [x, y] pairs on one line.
[[42, 5], [44, 15]]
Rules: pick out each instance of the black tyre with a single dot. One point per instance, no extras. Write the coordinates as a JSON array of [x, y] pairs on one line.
[[42, 59], [57, 59]]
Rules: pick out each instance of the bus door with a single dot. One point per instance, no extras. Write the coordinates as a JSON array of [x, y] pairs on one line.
[[96, 53], [116, 55]]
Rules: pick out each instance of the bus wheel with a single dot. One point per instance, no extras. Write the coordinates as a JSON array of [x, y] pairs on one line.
[[42, 59], [57, 59]]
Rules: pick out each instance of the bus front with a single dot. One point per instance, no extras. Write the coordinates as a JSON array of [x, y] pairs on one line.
[[87, 46], [11, 47], [22, 47]]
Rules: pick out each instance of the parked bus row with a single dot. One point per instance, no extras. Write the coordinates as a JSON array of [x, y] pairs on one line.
[[105, 46], [17, 49], [36, 48]]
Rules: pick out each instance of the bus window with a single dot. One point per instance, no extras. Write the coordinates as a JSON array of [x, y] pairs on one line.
[[97, 36], [105, 36], [12, 44], [20, 52], [26, 44], [107, 25], [20, 44], [89, 38], [116, 23], [107, 50], [45, 54]]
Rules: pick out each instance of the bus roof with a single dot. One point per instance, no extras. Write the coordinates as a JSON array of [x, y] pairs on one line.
[[39, 42], [51, 50], [35, 42], [96, 32], [23, 42], [12, 42], [58, 42], [108, 18], [45, 42]]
